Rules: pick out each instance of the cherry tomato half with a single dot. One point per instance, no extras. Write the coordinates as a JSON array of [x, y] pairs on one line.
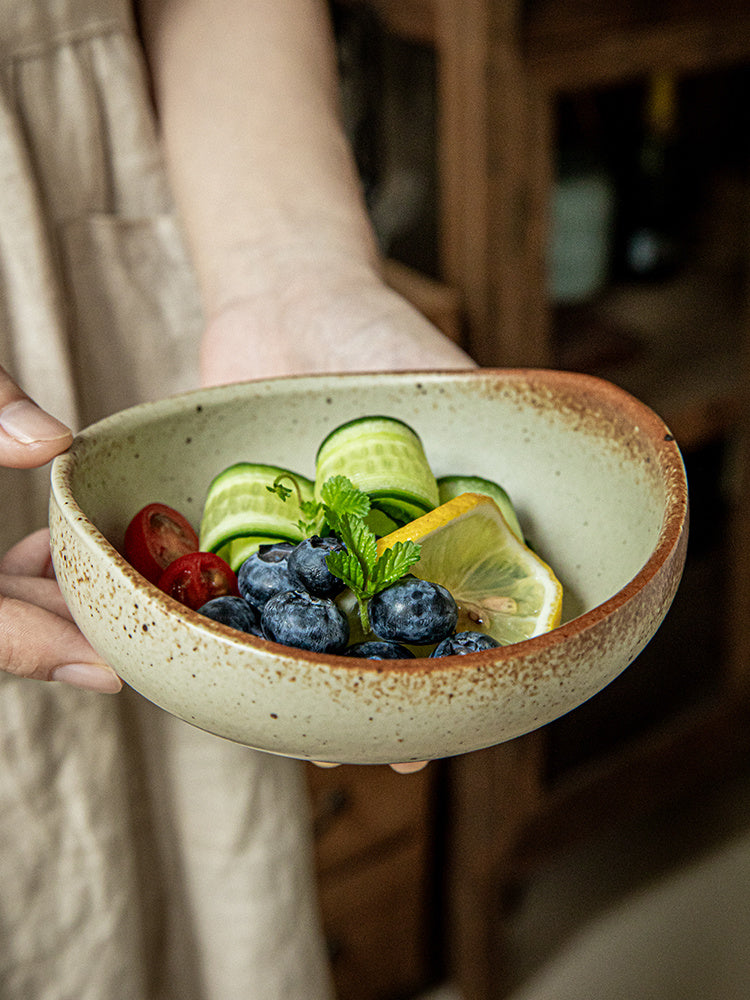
[[155, 537], [197, 577]]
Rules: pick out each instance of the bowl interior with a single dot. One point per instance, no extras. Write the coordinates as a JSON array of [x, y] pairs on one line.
[[588, 469]]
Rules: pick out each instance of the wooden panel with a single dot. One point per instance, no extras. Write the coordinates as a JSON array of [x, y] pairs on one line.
[[739, 611], [688, 358], [412, 20], [495, 162], [500, 66], [493, 794], [462, 35], [682, 756], [521, 175], [572, 46], [376, 923], [363, 810], [462, 39]]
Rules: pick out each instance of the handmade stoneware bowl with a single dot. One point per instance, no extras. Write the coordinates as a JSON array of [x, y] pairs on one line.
[[600, 491]]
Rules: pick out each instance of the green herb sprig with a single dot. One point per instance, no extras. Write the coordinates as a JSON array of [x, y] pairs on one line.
[[344, 508]]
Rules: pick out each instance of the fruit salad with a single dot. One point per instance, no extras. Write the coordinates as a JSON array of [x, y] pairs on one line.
[[375, 558]]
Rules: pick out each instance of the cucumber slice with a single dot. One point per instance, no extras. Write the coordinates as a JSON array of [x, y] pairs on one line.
[[380, 523], [399, 498], [368, 424], [453, 486], [397, 510], [381, 455], [239, 505]]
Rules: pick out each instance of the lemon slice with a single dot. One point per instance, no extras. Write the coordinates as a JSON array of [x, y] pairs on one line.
[[500, 585]]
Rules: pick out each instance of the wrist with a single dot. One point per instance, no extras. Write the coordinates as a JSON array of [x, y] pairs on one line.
[[286, 316], [283, 259], [341, 322]]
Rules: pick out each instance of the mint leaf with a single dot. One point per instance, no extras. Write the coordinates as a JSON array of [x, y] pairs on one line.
[[311, 510], [340, 497], [360, 541], [392, 564], [343, 507], [360, 567], [282, 492], [348, 568], [310, 522]]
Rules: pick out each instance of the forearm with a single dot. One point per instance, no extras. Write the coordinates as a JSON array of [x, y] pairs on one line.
[[262, 173], [266, 187]]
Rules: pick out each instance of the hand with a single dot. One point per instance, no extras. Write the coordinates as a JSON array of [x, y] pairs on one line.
[[304, 322], [38, 638], [410, 767]]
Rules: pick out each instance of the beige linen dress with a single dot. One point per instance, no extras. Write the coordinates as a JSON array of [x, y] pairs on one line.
[[140, 859]]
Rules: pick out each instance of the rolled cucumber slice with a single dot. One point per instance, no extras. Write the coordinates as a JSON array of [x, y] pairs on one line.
[[239, 505], [399, 511], [381, 523], [382, 456], [453, 486]]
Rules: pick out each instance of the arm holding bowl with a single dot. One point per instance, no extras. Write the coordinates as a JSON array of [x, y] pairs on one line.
[[268, 193]]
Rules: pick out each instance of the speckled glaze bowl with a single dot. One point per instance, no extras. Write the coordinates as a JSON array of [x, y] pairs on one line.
[[600, 490]]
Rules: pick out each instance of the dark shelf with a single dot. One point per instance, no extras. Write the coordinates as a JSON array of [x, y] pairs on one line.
[[572, 46]]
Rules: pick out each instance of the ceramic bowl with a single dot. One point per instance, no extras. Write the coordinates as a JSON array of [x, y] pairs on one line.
[[600, 490]]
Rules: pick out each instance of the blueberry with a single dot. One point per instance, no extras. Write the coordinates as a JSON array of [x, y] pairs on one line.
[[378, 650], [413, 610], [265, 573], [296, 618], [234, 612], [308, 570], [463, 643]]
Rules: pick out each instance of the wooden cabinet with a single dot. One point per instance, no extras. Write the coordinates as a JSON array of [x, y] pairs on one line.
[[376, 860], [501, 68]]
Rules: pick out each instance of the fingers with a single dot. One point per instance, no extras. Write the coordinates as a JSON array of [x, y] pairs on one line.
[[26, 574], [37, 636], [37, 643], [29, 436], [411, 767], [43, 593], [29, 557]]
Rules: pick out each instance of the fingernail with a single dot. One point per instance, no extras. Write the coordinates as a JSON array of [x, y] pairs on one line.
[[91, 676], [410, 767], [26, 423]]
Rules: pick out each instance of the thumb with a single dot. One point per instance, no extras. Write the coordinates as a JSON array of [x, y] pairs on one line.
[[29, 436]]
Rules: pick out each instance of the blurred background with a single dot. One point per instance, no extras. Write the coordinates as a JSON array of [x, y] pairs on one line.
[[566, 183]]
